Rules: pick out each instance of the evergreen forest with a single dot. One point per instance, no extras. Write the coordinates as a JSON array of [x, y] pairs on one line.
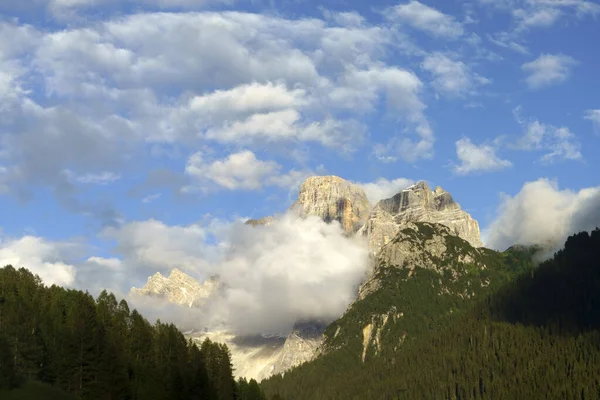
[[535, 337], [64, 344]]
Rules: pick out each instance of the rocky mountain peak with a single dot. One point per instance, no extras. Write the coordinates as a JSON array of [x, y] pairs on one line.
[[418, 203], [333, 199], [178, 288]]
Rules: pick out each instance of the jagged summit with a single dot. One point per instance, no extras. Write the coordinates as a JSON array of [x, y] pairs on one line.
[[418, 203], [178, 288], [333, 199]]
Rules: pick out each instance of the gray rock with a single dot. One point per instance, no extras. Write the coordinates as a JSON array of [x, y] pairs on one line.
[[418, 203], [333, 199], [178, 288]]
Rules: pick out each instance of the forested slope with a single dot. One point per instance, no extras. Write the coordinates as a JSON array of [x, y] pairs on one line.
[[99, 349], [536, 337]]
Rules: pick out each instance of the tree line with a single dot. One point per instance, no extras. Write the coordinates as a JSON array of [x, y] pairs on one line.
[[100, 349]]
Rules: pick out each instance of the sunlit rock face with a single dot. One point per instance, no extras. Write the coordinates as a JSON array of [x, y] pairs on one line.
[[258, 357], [178, 288], [418, 203], [333, 199]]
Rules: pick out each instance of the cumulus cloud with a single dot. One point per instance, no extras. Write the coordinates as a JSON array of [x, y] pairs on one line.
[[272, 276], [543, 214], [146, 247], [241, 170], [383, 188], [45, 258], [426, 19], [112, 86], [451, 77], [548, 69], [474, 158], [594, 116], [295, 269]]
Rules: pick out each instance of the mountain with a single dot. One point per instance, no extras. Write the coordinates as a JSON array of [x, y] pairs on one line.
[[178, 288], [418, 203], [333, 199], [423, 276], [533, 335], [258, 357]]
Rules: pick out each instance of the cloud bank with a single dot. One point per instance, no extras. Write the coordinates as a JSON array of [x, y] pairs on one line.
[[543, 214], [294, 269]]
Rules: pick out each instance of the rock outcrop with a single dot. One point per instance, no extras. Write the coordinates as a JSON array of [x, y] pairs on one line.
[[178, 288], [259, 357], [264, 221], [423, 245], [418, 203], [333, 199], [301, 345]]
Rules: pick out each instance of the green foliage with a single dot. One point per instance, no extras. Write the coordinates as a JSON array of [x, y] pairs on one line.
[[33, 390], [414, 302], [249, 390], [98, 349], [533, 335]]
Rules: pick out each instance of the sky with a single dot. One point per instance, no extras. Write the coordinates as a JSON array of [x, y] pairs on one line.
[[136, 136]]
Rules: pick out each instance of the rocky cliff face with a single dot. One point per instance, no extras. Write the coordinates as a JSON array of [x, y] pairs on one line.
[[333, 199], [422, 245], [178, 288], [301, 345], [418, 203], [259, 357]]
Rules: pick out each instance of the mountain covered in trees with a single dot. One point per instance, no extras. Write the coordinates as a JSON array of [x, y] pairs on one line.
[[53, 339], [441, 333]]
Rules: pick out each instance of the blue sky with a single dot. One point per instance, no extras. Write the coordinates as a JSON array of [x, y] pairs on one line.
[[133, 134]]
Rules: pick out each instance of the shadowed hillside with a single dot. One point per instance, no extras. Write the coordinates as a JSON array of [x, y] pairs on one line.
[[535, 338]]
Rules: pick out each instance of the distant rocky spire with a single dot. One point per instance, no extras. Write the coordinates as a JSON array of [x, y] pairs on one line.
[[178, 288]]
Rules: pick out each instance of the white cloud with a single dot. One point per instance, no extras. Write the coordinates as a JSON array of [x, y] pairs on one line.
[[451, 77], [561, 143], [295, 269], [150, 246], [42, 257], [231, 77], [474, 158], [241, 170], [594, 116], [543, 13], [272, 276], [427, 19], [548, 69], [543, 214], [383, 188], [103, 178], [541, 17], [361, 89], [247, 99]]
